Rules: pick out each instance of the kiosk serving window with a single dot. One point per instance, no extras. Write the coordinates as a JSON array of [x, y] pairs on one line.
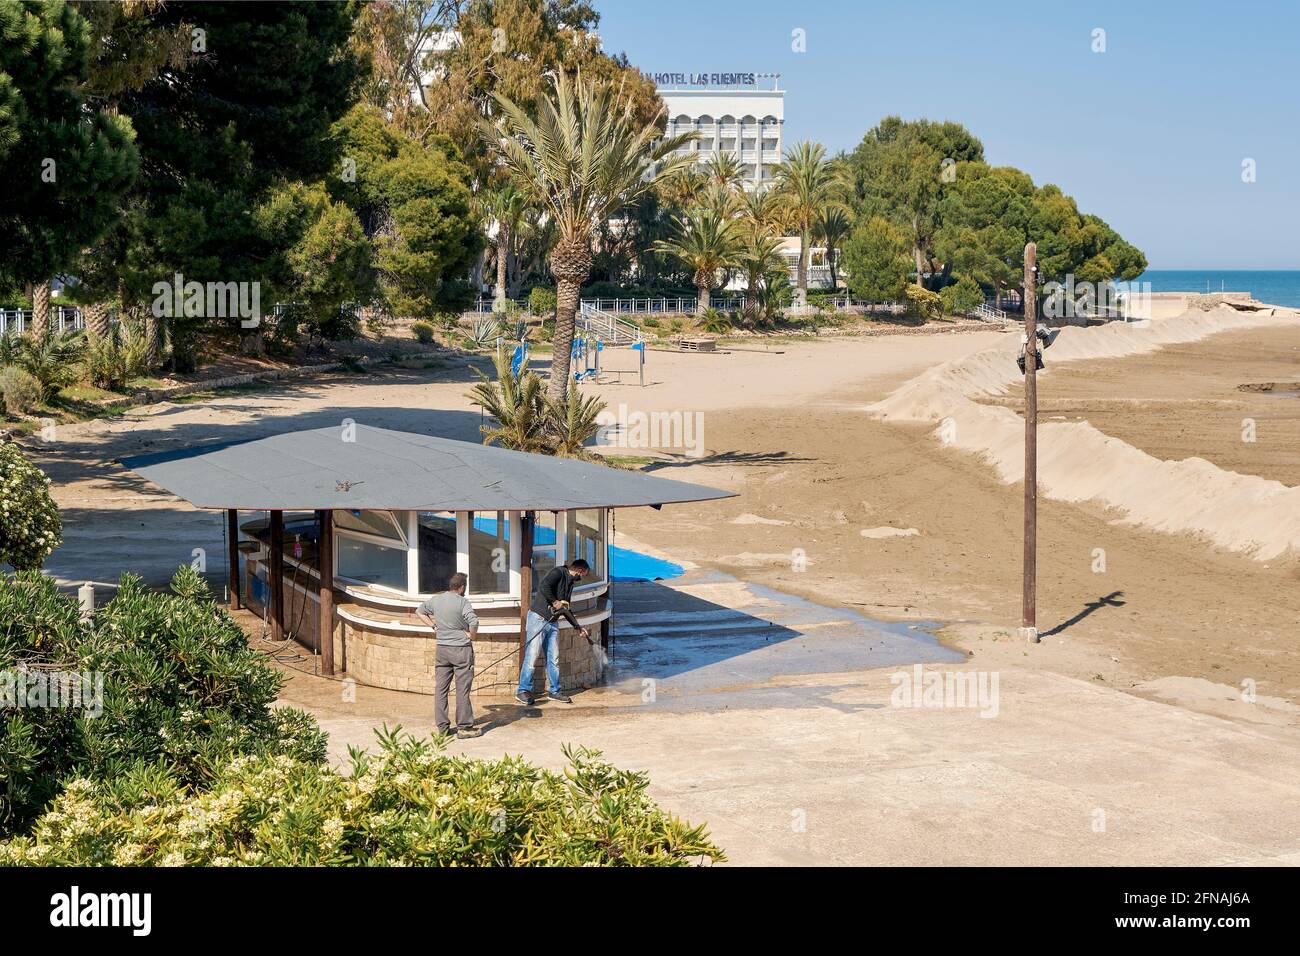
[[489, 553], [414, 553], [437, 550], [586, 539], [371, 548]]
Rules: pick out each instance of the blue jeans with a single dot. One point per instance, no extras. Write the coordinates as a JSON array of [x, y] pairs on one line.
[[540, 633]]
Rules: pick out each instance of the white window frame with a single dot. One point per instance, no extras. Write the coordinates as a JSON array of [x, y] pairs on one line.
[[407, 523], [562, 550], [513, 527], [413, 557], [397, 544]]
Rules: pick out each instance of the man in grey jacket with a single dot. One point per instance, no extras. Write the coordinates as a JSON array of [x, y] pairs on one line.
[[453, 619]]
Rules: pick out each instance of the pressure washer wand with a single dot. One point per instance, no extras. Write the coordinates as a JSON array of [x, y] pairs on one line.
[[589, 640]]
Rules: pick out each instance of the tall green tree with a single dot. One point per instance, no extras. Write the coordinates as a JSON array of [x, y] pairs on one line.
[[250, 111], [877, 259], [831, 229], [586, 155], [985, 225], [507, 207], [901, 170], [64, 163], [805, 182], [758, 257], [414, 202], [131, 47]]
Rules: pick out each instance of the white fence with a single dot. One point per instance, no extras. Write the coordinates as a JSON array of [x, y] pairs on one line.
[[661, 305], [62, 318], [845, 302]]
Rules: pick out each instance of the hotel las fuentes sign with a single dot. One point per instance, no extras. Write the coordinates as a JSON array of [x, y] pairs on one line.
[[703, 79]]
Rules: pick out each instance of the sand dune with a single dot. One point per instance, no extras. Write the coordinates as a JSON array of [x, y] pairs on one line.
[[1077, 462]]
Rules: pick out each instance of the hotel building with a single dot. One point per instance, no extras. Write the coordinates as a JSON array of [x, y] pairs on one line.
[[738, 113]]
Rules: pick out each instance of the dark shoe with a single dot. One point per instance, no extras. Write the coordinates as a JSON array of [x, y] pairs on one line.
[[524, 698], [559, 697], [468, 733], [444, 731]]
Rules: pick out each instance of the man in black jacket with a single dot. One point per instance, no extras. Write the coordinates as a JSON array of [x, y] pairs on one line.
[[550, 603]]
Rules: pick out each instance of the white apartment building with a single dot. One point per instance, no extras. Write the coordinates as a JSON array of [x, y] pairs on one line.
[[738, 113]]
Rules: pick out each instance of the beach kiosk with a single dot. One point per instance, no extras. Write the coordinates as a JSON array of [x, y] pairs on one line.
[[348, 529]]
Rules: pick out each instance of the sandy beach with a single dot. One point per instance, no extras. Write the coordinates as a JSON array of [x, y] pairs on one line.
[[889, 523]]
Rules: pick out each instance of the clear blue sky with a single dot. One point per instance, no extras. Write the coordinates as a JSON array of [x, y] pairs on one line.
[[1149, 135]]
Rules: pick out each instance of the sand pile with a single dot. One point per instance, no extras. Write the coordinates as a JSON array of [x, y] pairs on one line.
[[1077, 462]]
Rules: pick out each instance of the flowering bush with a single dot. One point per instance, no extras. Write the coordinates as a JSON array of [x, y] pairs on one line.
[[29, 521], [182, 691], [408, 805]]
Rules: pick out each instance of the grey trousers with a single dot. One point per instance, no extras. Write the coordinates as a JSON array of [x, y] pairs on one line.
[[458, 661]]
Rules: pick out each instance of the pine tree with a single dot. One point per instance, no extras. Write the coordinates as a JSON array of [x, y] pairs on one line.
[[64, 164]]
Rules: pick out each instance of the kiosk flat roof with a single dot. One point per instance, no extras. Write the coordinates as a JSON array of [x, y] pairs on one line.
[[382, 469]]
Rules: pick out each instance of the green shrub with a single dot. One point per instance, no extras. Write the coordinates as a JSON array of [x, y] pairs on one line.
[[342, 324], [541, 301], [182, 691], [650, 322], [409, 804], [282, 331], [774, 296], [964, 295], [922, 302], [29, 520], [423, 331], [19, 391]]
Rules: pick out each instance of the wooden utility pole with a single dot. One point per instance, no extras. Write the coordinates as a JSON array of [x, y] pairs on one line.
[[277, 575], [525, 578], [1029, 610], [325, 570], [232, 557]]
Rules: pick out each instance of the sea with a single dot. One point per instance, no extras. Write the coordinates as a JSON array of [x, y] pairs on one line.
[[1274, 286]]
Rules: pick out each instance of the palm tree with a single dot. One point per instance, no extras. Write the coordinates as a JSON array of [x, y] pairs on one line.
[[684, 190], [774, 295], [53, 359], [763, 212], [706, 240], [584, 157], [96, 314], [40, 310], [805, 185], [831, 229], [572, 424], [724, 170], [507, 206], [759, 255], [518, 403]]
